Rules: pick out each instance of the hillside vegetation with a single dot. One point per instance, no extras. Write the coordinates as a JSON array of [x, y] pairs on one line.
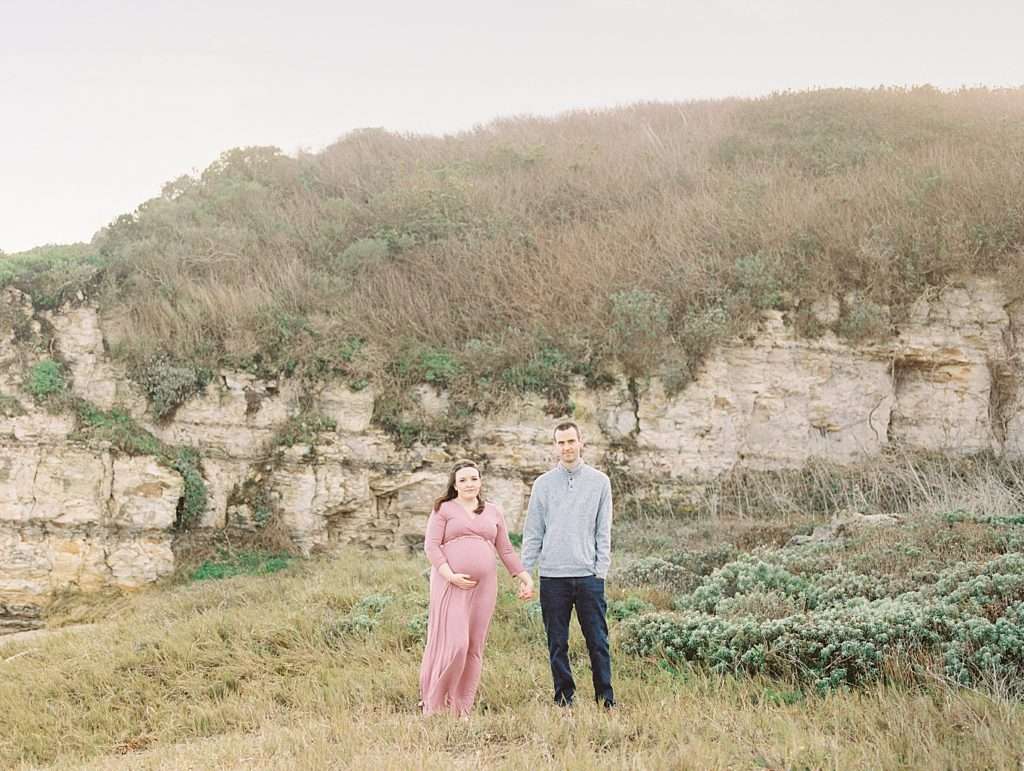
[[510, 256], [897, 648]]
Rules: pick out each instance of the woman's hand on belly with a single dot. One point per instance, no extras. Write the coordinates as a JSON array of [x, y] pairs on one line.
[[460, 580]]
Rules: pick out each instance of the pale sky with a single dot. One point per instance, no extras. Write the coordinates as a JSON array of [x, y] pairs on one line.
[[102, 101]]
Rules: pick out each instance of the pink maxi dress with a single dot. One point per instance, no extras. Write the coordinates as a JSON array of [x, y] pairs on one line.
[[459, 618]]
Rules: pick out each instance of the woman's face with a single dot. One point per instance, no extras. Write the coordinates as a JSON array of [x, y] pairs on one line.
[[467, 482]]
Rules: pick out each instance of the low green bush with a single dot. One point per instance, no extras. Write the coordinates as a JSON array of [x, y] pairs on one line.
[[990, 652], [118, 428], [417, 363], [744, 575], [302, 429], [547, 371], [702, 562], [242, 564], [46, 379], [363, 252], [193, 501], [655, 572], [864, 320], [168, 383], [757, 283], [754, 617], [620, 610], [362, 618], [416, 627], [639, 330]]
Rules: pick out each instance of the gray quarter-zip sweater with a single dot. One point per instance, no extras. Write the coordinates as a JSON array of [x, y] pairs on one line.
[[569, 523]]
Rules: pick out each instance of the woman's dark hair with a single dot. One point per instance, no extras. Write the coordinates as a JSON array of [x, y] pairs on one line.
[[451, 493]]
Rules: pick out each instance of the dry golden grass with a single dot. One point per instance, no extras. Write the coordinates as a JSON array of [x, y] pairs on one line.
[[523, 229], [898, 481], [254, 673]]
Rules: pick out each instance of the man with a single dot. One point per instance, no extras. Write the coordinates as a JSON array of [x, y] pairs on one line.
[[568, 531]]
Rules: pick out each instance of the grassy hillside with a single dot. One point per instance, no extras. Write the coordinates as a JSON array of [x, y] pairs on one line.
[[507, 257], [316, 665]]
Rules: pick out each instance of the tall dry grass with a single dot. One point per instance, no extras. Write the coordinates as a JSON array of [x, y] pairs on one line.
[[261, 672], [523, 229], [897, 483]]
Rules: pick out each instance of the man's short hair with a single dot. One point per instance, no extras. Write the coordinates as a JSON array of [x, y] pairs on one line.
[[565, 425]]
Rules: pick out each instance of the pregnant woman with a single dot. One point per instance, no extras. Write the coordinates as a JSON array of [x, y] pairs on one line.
[[463, 534]]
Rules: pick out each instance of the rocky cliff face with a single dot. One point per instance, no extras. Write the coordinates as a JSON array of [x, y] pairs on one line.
[[77, 514]]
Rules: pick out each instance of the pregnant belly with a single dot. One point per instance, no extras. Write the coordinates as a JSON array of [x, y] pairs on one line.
[[473, 556]]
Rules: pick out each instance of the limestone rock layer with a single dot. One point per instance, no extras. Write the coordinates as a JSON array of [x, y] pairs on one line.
[[72, 514]]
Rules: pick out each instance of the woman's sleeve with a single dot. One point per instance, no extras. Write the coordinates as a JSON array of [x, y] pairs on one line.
[[505, 548], [433, 538]]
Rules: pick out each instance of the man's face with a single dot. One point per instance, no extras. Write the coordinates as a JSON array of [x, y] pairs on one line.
[[568, 445]]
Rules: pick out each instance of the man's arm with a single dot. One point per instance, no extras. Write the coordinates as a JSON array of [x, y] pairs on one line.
[[603, 532], [533, 530]]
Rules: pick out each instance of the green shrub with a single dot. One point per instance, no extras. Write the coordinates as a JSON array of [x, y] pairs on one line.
[[168, 383], [362, 618], [750, 617], [639, 330], [842, 645], [548, 371], [349, 348], [863, 320], [46, 379], [699, 331], [658, 573], [416, 627], [241, 564], [255, 493], [757, 282], [759, 603], [745, 575], [705, 561], [992, 652], [193, 501], [722, 644], [52, 273], [980, 587], [619, 610], [423, 212], [118, 428], [439, 367], [364, 252], [425, 364], [302, 429]]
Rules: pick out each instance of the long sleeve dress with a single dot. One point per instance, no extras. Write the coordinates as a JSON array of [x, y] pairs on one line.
[[459, 618]]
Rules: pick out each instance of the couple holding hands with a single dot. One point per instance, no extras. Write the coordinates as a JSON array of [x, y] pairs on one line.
[[567, 534]]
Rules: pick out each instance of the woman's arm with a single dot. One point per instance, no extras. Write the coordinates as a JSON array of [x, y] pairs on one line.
[[433, 538], [432, 546]]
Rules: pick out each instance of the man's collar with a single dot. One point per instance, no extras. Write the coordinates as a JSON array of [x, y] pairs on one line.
[[573, 468]]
